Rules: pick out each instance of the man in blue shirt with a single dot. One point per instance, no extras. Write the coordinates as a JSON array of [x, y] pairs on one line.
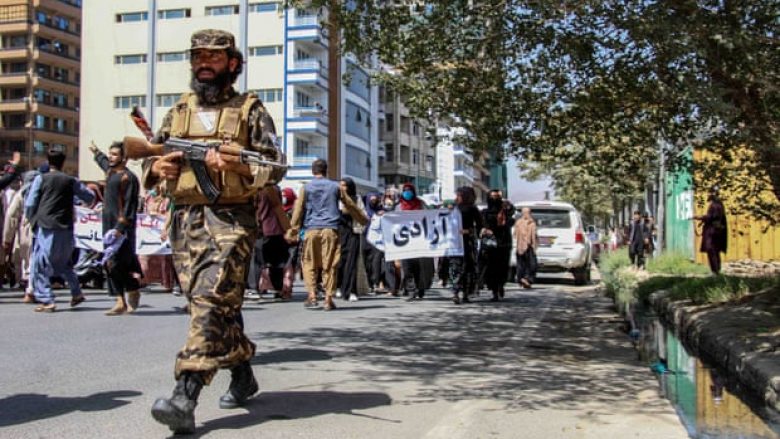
[[317, 211]]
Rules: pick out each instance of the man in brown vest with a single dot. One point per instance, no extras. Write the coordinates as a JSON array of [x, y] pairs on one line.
[[212, 243]]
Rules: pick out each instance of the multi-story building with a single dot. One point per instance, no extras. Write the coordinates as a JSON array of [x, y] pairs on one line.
[[40, 74], [137, 53], [407, 148], [455, 164]]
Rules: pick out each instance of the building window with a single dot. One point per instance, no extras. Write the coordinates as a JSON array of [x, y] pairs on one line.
[[358, 122], [429, 163], [389, 120], [39, 146], [266, 50], [172, 14], [305, 153], [129, 17], [167, 100], [389, 152], [14, 41], [415, 129], [130, 59], [404, 154], [265, 7], [270, 94], [359, 163], [129, 101], [302, 100], [173, 56], [405, 122], [415, 156], [222, 10], [358, 81]]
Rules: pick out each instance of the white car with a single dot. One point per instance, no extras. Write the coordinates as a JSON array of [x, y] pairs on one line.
[[563, 244]]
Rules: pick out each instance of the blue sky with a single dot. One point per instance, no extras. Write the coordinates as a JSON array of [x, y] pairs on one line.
[[522, 190]]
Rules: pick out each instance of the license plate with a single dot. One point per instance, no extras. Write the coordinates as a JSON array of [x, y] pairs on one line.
[[546, 241]]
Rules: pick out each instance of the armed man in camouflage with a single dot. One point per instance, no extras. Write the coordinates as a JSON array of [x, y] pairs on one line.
[[212, 243]]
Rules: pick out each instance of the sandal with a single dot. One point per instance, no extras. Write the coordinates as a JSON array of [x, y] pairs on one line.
[[46, 307]]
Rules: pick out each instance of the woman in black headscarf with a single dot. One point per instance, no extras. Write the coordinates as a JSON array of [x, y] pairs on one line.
[[497, 242], [373, 258], [349, 232], [463, 270]]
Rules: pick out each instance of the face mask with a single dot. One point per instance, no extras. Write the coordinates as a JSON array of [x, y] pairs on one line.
[[389, 205], [408, 195], [153, 193]]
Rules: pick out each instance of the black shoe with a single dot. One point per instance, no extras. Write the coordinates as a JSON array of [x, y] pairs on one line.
[[456, 299], [466, 299], [178, 411], [242, 386]]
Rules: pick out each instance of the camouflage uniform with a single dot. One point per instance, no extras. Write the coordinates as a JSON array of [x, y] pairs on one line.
[[212, 244]]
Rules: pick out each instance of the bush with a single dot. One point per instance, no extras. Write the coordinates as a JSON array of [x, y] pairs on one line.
[[656, 283], [675, 264], [717, 289]]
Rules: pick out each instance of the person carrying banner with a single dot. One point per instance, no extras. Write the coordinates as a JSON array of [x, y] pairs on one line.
[[317, 211], [373, 258], [414, 269], [120, 204], [350, 232], [212, 239], [49, 205], [463, 269]]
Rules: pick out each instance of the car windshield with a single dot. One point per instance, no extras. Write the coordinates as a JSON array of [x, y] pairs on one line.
[[551, 218]]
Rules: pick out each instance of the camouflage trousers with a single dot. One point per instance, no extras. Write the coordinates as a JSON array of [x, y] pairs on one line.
[[212, 248]]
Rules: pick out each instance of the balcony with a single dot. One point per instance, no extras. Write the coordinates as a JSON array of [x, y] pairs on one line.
[[51, 136], [307, 124], [53, 32], [309, 112], [58, 85], [13, 106], [308, 72], [56, 58], [69, 8], [13, 79], [14, 26], [307, 28], [13, 53]]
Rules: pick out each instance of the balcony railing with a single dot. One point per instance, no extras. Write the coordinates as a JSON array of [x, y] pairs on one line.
[[308, 20], [305, 160], [307, 64], [309, 112], [74, 3], [60, 54], [60, 80], [53, 26]]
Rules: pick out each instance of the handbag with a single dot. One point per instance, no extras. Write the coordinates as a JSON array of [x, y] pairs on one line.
[[489, 242]]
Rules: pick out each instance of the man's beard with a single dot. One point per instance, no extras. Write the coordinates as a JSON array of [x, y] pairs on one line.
[[211, 90]]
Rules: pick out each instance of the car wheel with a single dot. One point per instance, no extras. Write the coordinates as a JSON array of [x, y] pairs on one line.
[[581, 275]]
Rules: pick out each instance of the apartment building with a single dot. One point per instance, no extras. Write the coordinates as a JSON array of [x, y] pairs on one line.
[[136, 52], [40, 73], [407, 148]]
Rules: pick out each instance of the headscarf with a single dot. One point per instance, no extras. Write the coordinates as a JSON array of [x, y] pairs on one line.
[[467, 195], [351, 188], [370, 210], [414, 203], [289, 199]]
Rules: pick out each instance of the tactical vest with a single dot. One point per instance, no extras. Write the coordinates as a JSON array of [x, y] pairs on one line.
[[228, 122]]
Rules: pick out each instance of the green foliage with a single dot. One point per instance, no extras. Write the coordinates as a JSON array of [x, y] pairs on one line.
[[656, 283], [595, 84], [676, 264], [718, 289]]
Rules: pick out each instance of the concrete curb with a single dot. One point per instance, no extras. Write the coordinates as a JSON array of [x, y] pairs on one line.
[[755, 364]]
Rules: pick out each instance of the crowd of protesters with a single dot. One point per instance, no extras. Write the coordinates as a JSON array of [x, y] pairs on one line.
[[317, 234]]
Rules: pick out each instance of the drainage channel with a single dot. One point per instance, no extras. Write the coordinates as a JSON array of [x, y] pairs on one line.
[[710, 405]]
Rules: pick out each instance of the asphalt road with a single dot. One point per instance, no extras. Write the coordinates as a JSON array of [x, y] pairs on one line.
[[545, 363]]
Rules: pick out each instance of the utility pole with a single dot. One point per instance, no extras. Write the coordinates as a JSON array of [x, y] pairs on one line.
[[334, 92]]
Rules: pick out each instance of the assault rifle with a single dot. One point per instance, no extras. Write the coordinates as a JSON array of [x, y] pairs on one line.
[[194, 154]]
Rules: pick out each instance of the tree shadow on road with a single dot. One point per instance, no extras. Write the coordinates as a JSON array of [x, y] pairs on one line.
[[29, 407], [531, 351], [291, 355], [296, 405]]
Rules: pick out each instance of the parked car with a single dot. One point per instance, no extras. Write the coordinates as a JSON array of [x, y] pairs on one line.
[[563, 244]]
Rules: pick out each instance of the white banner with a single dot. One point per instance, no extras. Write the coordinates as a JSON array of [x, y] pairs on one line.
[[417, 234], [89, 232]]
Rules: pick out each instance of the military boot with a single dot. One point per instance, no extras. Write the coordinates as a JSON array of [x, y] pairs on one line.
[[178, 411], [242, 386]]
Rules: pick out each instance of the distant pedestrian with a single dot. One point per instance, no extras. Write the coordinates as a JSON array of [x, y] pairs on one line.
[[120, 204], [374, 259], [526, 244], [413, 269], [49, 205], [638, 238], [350, 232], [317, 211], [463, 269], [497, 242], [714, 235]]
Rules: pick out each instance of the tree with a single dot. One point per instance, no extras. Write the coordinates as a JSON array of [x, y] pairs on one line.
[[614, 77]]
